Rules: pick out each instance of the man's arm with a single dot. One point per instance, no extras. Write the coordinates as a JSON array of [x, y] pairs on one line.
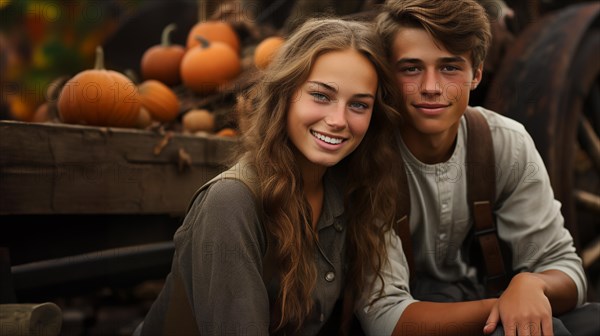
[[530, 300], [560, 290], [470, 318], [529, 218], [551, 281], [460, 318]]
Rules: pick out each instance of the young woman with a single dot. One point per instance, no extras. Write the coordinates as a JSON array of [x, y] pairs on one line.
[[274, 255]]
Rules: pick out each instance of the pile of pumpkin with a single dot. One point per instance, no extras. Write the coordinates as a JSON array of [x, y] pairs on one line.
[[210, 60]]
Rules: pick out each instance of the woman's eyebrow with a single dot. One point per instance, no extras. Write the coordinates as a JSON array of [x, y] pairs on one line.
[[329, 87], [332, 88], [364, 95]]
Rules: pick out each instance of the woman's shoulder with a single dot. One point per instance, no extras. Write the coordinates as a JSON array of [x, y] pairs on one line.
[[221, 200], [226, 208], [227, 193]]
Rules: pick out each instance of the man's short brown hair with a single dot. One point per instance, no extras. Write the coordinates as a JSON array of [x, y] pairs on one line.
[[459, 25]]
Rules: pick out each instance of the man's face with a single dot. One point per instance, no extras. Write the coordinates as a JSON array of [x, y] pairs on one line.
[[434, 82]]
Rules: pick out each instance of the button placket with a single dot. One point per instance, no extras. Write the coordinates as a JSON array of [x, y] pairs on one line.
[[445, 219]]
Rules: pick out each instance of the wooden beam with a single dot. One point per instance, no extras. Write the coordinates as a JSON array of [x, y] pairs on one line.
[[588, 200]]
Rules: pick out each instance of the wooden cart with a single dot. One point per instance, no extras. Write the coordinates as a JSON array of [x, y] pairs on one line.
[[82, 205]]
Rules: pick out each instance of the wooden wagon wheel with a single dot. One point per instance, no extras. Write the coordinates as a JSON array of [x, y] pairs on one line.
[[550, 82]]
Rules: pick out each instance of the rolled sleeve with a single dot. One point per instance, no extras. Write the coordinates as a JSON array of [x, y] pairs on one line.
[[379, 315]]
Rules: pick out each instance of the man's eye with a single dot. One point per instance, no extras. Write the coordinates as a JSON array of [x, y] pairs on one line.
[[450, 68], [410, 69]]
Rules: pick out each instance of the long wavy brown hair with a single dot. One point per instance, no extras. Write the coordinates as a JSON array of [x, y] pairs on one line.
[[370, 171]]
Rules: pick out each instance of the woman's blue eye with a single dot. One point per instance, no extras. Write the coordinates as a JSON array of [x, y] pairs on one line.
[[319, 97], [359, 106]]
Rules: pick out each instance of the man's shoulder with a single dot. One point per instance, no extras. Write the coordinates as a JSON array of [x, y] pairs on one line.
[[499, 123], [512, 143]]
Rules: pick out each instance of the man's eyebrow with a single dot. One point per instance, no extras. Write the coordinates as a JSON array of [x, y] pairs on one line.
[[409, 60], [450, 59], [328, 87], [453, 59]]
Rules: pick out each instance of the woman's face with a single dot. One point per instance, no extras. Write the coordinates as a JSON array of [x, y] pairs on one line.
[[330, 113]]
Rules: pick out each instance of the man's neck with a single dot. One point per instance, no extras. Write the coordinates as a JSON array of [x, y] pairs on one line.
[[430, 148]]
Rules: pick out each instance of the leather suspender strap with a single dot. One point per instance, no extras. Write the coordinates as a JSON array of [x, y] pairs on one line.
[[481, 191]]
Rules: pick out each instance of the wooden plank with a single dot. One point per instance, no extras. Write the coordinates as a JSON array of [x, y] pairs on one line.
[[71, 169], [30, 319]]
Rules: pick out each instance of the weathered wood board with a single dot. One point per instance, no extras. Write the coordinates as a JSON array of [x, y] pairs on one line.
[[71, 169]]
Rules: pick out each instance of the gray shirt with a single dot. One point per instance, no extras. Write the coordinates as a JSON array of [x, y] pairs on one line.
[[219, 252], [527, 215]]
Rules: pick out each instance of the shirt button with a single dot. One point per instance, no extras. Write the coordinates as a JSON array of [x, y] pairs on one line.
[[329, 276], [338, 226]]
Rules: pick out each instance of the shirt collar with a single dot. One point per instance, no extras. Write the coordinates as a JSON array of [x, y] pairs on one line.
[[333, 202]]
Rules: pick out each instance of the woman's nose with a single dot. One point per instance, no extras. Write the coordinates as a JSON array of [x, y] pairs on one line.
[[336, 118]]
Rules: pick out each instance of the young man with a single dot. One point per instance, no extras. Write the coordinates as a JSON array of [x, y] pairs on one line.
[[437, 48]]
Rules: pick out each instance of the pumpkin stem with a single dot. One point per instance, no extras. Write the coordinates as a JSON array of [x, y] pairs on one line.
[[99, 59], [165, 41], [129, 73], [203, 42], [202, 10]]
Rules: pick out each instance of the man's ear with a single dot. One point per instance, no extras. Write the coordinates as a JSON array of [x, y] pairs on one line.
[[477, 74]]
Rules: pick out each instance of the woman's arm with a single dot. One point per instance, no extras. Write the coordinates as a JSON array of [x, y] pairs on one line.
[[224, 270]]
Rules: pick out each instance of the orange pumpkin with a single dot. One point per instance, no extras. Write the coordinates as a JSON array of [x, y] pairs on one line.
[[21, 109], [200, 120], [159, 100], [214, 31], [144, 119], [161, 62], [227, 132], [99, 97], [207, 66], [266, 50], [42, 114]]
